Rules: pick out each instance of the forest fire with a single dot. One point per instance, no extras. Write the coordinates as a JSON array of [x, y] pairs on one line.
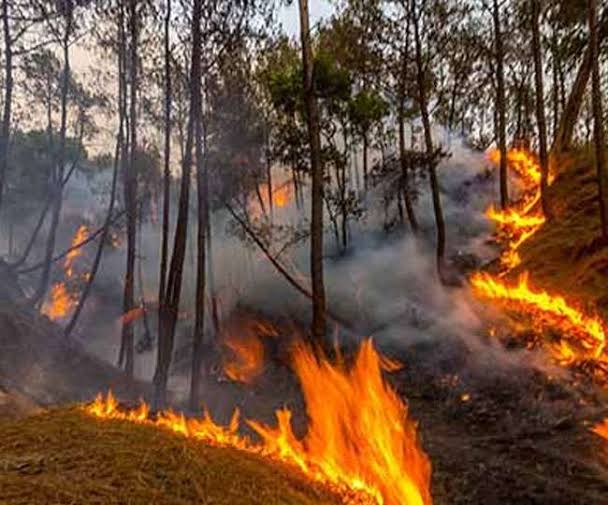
[[519, 222], [546, 310], [584, 335], [360, 439], [63, 295]]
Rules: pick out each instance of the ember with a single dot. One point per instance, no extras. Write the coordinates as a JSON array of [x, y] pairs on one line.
[[360, 438]]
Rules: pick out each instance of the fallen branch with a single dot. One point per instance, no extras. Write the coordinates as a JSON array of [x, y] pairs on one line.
[[275, 263]]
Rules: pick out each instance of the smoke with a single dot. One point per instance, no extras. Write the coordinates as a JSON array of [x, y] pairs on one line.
[[386, 286]]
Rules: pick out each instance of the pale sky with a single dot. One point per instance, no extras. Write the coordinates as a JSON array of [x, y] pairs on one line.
[[290, 18]]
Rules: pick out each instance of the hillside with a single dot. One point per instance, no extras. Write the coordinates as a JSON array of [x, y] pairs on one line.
[[565, 255], [65, 456]]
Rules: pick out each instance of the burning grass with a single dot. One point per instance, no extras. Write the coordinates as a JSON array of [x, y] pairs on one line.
[[66, 456], [532, 245], [360, 440]]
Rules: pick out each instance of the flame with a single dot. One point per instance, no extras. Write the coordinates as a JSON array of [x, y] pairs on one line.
[[360, 439], [550, 310], [132, 315], [63, 296], [282, 195], [523, 219], [245, 359], [601, 429], [586, 338], [60, 302], [80, 236]]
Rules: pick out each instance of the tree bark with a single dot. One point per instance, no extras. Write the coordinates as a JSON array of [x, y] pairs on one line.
[[501, 105], [59, 168], [164, 248], [430, 150], [171, 298], [199, 320], [405, 176], [130, 187], [571, 111], [598, 123], [540, 109], [8, 98], [316, 232]]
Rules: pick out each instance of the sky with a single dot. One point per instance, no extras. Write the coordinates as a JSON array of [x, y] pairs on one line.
[[290, 19]]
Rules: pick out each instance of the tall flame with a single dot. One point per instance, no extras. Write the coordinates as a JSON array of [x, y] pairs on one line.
[[63, 299], [360, 439]]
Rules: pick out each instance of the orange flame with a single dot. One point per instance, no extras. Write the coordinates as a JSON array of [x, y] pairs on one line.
[[62, 298], [282, 195], [601, 429], [553, 310], [360, 439], [520, 221], [60, 304], [243, 340], [81, 235]]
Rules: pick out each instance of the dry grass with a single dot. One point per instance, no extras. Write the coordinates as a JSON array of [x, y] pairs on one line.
[[565, 256], [66, 457]]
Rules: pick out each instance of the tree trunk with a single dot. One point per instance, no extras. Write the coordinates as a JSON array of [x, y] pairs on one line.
[[59, 167], [130, 188], [501, 106], [540, 109], [8, 98], [571, 111], [598, 123], [199, 321], [430, 151], [164, 248], [407, 197], [172, 295], [316, 232]]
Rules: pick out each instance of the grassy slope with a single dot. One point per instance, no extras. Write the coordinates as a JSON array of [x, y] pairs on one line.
[[564, 256], [66, 456]]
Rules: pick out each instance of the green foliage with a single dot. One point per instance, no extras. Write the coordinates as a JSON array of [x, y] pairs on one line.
[[366, 109]]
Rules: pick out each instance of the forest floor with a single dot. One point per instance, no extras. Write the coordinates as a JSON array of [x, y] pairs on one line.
[[500, 426]]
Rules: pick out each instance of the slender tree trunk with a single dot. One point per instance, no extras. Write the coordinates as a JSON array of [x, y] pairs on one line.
[[130, 186], [430, 150], [59, 168], [316, 232], [571, 111], [8, 98], [501, 105], [555, 84], [540, 109], [106, 226], [598, 123], [365, 169], [269, 172], [407, 197], [174, 280], [164, 248], [199, 321]]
